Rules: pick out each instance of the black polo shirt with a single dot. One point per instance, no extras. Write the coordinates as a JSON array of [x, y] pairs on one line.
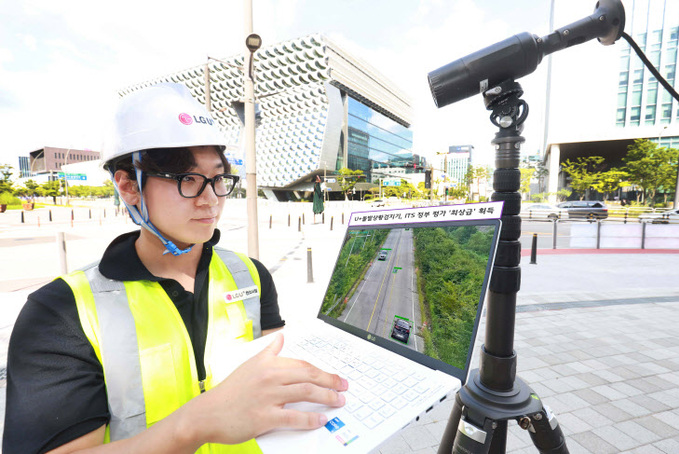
[[55, 383]]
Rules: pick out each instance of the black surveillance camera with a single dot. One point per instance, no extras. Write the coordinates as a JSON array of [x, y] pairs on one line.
[[520, 55]]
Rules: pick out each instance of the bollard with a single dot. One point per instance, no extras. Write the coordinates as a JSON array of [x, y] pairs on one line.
[[270, 220], [331, 219], [342, 218], [72, 216], [288, 219], [554, 233], [22, 216], [534, 250], [309, 267], [299, 224], [104, 213], [643, 235], [90, 213], [303, 220], [50, 212], [323, 218], [598, 233], [61, 250]]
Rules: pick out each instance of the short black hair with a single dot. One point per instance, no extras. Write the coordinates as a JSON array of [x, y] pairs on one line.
[[162, 160]]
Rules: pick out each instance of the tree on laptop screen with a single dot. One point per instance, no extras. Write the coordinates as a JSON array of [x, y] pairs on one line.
[[418, 286]]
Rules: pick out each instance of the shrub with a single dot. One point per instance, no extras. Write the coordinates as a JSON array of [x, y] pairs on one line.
[[8, 199]]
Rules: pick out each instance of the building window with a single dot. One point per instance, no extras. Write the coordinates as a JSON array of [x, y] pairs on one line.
[[652, 93], [638, 76], [624, 78], [665, 113], [620, 117], [636, 96], [650, 115], [635, 114], [622, 99]]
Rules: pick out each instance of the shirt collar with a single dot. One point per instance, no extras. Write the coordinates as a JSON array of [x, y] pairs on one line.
[[122, 263]]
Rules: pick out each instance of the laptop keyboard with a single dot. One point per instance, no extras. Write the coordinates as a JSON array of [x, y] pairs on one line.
[[378, 387]]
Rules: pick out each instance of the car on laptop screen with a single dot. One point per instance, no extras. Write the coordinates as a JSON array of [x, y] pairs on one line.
[[401, 330]]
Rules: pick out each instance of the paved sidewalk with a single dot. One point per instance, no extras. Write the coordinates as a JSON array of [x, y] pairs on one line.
[[595, 331]]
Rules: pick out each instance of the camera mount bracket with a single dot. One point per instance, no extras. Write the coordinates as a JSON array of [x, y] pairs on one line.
[[493, 394]]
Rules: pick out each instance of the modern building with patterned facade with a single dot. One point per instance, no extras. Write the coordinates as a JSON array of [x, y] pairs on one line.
[[319, 109]]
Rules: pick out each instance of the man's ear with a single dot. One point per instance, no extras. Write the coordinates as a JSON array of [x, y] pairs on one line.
[[127, 187]]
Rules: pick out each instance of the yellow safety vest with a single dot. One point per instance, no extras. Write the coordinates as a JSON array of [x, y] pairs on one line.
[[145, 351]]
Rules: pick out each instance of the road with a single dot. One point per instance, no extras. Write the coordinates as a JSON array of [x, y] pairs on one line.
[[388, 289]]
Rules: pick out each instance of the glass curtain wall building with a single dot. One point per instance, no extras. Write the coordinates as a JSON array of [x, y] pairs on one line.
[[654, 26], [376, 141], [320, 109], [603, 98]]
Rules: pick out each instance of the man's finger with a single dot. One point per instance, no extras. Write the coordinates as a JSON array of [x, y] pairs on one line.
[[294, 419], [275, 347], [307, 392], [299, 371]]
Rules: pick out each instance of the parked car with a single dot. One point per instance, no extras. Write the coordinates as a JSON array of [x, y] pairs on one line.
[[401, 330], [378, 203], [540, 210], [382, 256], [585, 209], [661, 217]]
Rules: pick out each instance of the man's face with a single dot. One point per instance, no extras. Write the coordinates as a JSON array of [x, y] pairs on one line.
[[186, 221]]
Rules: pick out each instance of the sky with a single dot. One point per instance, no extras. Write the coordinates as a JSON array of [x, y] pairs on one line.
[[63, 62]]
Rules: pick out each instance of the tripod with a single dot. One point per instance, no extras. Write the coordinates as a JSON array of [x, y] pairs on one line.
[[493, 394]]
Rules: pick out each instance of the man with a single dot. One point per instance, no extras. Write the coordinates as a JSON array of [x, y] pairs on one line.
[[124, 355]]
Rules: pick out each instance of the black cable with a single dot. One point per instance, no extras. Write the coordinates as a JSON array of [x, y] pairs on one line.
[[650, 66]]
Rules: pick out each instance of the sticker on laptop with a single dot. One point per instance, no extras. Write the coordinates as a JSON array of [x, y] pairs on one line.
[[334, 425], [342, 433], [241, 294]]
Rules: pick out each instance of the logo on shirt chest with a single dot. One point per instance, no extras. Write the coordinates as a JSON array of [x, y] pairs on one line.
[[241, 294]]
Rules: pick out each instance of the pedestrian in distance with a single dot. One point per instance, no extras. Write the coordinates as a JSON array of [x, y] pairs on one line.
[[124, 355]]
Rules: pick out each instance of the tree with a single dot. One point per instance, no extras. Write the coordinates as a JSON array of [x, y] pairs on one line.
[[611, 181], [51, 189], [650, 167], [348, 178], [584, 173], [526, 177], [475, 175], [6, 179]]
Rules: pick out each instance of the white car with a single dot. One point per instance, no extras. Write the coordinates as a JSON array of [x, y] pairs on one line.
[[540, 211], [661, 217]]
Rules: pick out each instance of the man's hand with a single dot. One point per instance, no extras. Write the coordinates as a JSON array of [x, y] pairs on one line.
[[251, 400]]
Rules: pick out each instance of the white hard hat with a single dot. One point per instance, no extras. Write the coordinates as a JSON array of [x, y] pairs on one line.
[[161, 116]]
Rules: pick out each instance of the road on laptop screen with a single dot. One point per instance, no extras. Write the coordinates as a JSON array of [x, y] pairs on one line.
[[418, 286]]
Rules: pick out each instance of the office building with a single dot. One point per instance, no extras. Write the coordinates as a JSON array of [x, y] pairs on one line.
[[602, 98], [319, 109]]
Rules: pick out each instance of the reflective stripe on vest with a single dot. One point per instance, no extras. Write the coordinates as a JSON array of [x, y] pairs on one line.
[[146, 353]]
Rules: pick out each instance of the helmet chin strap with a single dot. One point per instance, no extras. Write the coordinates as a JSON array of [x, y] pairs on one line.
[[141, 216]]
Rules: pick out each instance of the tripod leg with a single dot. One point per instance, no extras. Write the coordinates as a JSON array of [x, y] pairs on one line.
[[545, 432], [449, 434]]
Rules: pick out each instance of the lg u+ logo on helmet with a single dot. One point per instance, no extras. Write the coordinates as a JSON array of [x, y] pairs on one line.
[[188, 119]]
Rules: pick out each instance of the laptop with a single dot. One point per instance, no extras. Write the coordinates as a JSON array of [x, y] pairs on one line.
[[398, 320]]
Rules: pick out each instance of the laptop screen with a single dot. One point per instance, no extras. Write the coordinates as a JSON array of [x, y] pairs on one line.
[[414, 280]]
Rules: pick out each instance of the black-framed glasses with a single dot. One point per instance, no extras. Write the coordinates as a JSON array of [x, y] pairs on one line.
[[191, 185]]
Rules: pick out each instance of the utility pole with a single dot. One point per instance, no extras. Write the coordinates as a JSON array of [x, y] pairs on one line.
[[252, 42]]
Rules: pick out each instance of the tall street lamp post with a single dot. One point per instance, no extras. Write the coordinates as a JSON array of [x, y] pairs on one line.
[[252, 42]]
